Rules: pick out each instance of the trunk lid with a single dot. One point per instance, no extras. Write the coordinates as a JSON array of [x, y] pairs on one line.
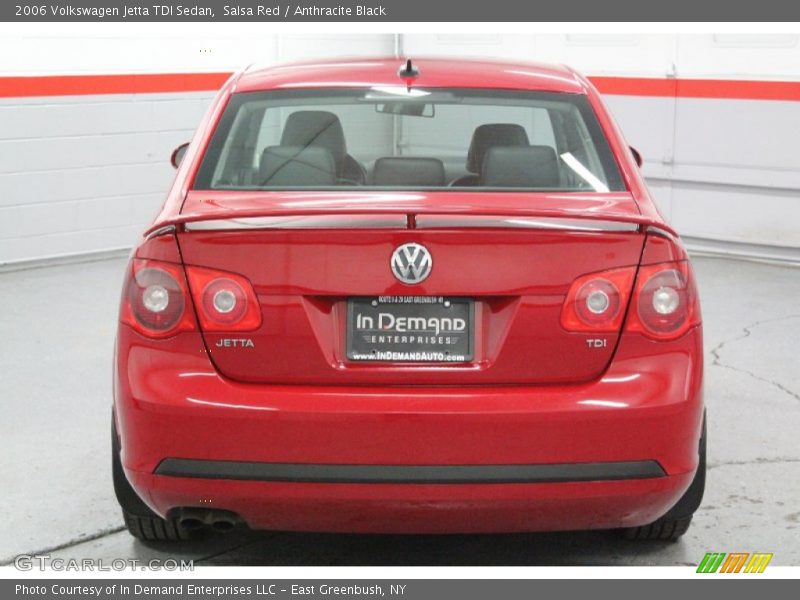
[[306, 254]]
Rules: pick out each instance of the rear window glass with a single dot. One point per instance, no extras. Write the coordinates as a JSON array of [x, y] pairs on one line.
[[396, 138]]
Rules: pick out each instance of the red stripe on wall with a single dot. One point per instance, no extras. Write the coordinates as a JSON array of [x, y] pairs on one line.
[[81, 85], [634, 86], [745, 90], [699, 88]]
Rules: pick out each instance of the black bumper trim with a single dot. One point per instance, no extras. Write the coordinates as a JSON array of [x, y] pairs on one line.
[[421, 474]]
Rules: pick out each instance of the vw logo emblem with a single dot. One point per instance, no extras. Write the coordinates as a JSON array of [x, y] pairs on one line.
[[411, 263]]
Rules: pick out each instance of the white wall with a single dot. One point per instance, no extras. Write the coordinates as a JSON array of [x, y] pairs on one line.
[[85, 173]]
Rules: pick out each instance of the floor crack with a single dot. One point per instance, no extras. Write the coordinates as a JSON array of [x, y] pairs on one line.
[[747, 332], [754, 461], [259, 537], [73, 542]]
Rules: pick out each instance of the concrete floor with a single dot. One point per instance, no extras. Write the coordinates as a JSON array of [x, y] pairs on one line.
[[57, 330]]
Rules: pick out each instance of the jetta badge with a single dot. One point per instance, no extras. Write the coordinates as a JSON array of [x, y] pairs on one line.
[[411, 263]]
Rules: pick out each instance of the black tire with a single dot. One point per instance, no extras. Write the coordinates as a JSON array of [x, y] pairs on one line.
[[141, 522], [663, 530], [675, 523]]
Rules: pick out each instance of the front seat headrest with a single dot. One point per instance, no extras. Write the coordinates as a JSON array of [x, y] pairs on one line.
[[493, 134], [408, 170], [316, 128], [296, 166], [528, 167]]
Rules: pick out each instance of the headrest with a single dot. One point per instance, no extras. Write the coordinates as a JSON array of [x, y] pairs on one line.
[[408, 170], [493, 134], [529, 167], [317, 128], [295, 166]]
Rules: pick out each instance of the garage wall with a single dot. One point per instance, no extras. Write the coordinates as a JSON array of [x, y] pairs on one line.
[[84, 173]]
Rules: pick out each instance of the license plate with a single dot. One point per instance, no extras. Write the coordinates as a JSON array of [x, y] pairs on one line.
[[423, 329]]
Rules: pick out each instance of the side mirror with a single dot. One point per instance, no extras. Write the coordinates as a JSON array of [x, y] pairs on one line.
[[177, 154], [636, 156]]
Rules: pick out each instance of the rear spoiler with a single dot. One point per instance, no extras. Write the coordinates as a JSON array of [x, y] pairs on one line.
[[215, 210]]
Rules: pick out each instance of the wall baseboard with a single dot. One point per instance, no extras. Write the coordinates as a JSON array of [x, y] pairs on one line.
[[784, 255], [66, 259]]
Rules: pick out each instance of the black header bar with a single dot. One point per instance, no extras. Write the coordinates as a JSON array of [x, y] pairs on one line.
[[390, 11]]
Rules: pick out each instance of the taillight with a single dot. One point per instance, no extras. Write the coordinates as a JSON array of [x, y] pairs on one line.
[[596, 302], [224, 301], [155, 299], [665, 303]]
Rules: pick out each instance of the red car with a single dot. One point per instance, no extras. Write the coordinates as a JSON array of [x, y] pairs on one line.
[[409, 296]]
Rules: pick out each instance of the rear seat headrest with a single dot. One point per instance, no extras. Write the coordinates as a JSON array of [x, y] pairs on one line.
[[530, 167], [294, 165], [490, 135], [318, 128], [408, 170]]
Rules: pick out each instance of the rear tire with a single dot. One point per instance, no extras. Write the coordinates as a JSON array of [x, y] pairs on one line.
[[662, 530], [141, 522], [153, 529], [675, 523]]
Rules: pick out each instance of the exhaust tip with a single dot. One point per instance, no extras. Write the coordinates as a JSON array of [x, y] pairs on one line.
[[191, 523], [223, 526], [195, 519]]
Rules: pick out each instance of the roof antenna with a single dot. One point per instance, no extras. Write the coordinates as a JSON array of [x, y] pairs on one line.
[[408, 73]]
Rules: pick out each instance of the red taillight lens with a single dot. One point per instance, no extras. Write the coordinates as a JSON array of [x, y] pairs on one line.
[[665, 303], [225, 301], [596, 302], [155, 299]]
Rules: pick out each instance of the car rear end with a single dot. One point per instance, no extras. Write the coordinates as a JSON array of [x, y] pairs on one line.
[[518, 351]]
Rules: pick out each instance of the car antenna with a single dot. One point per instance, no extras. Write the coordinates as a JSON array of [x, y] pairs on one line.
[[408, 73]]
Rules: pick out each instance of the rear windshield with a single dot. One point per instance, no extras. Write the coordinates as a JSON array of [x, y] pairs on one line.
[[409, 139]]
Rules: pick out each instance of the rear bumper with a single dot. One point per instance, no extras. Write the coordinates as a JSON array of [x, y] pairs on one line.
[[415, 508], [615, 452]]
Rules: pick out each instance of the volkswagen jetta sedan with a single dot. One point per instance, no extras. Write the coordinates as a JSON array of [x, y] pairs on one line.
[[395, 296]]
